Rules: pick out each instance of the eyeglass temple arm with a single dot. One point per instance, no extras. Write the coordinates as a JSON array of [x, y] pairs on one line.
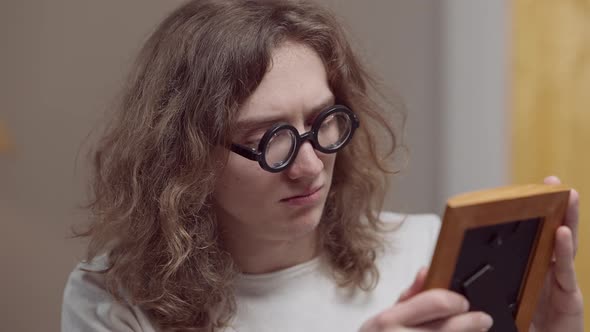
[[245, 152]]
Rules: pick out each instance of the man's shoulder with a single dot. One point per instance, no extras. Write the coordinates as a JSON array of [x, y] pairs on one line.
[[411, 234], [425, 222], [88, 305], [87, 279]]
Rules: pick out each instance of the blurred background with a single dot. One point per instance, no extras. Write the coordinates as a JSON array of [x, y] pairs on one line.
[[496, 92]]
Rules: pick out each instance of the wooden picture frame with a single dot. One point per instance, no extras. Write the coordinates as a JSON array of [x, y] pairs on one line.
[[495, 247]]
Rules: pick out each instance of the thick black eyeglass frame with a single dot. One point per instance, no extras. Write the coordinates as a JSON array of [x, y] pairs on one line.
[[312, 136]]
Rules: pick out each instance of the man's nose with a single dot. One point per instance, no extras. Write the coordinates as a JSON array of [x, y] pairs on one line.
[[306, 163]]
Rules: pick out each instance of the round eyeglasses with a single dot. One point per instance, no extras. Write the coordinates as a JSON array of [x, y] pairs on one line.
[[331, 131]]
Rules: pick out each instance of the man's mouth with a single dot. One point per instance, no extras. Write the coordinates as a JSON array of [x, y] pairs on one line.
[[309, 196]]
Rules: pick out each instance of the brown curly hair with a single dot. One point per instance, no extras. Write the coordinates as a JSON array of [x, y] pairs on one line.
[[154, 172]]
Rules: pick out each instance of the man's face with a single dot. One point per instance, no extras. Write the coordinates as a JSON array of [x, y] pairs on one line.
[[253, 203]]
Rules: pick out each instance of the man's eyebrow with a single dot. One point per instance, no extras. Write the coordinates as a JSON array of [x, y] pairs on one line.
[[243, 126], [247, 125]]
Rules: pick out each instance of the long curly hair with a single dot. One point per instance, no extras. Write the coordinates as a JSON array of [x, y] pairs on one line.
[[153, 170]]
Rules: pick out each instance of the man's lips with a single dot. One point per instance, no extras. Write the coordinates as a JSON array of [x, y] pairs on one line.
[[304, 194]]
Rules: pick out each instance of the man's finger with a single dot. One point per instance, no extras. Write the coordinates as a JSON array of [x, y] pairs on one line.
[[417, 285], [424, 307], [470, 321], [552, 180], [565, 274], [572, 216], [572, 213]]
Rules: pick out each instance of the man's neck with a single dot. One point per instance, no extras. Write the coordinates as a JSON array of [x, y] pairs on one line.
[[256, 256]]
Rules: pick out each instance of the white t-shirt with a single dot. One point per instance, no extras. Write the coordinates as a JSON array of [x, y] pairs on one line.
[[300, 298]]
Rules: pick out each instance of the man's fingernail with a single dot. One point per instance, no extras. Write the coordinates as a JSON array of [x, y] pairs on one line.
[[487, 321]]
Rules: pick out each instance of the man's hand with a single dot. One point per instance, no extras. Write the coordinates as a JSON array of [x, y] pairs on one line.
[[432, 310], [561, 307]]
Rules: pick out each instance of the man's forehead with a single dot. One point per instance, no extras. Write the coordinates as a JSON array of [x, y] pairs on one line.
[[282, 109], [296, 80]]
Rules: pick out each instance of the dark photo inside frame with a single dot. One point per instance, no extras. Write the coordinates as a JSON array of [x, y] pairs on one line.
[[492, 266]]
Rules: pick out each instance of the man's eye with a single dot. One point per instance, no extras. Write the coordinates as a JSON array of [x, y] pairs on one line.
[[311, 121], [252, 142], [329, 121]]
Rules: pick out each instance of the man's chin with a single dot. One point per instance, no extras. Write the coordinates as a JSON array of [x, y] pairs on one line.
[[305, 220]]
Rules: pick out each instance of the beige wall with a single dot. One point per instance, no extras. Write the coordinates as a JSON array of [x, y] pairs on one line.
[[550, 84], [61, 63], [400, 42]]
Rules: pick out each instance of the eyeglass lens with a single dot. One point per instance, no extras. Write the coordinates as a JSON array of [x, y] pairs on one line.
[[332, 133], [280, 148]]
